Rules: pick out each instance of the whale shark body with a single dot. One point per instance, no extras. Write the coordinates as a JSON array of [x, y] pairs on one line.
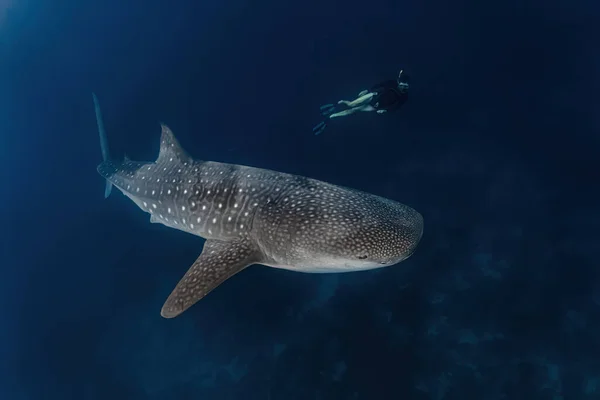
[[256, 216]]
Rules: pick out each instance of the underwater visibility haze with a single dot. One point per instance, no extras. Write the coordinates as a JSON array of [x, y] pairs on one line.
[[444, 155]]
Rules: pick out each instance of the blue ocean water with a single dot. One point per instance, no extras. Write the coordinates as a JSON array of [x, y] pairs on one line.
[[497, 147]]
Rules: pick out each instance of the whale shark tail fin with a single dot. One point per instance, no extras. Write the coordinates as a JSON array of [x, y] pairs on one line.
[[103, 141]]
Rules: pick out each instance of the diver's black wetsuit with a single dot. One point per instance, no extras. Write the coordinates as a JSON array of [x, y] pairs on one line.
[[389, 97]]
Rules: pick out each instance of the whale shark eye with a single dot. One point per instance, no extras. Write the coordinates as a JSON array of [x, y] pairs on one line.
[[362, 256]]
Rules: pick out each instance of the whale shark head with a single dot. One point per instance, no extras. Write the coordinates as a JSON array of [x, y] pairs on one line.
[[382, 239], [384, 234], [325, 228]]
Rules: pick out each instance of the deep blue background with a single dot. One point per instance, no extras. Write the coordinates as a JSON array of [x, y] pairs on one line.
[[497, 148]]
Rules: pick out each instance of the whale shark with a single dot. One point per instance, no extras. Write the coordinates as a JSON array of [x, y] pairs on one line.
[[251, 215]]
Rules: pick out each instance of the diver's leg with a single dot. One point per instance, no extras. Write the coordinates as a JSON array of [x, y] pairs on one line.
[[366, 108], [345, 112], [365, 98]]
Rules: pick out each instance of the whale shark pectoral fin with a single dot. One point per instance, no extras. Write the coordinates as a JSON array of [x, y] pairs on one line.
[[218, 261]]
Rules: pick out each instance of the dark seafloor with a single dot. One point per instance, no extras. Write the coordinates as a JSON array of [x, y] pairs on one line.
[[498, 147]]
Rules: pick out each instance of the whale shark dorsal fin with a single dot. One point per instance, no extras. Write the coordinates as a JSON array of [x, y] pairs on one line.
[[218, 261], [170, 149]]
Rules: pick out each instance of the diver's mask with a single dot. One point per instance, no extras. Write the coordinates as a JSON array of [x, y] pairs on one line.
[[403, 86]]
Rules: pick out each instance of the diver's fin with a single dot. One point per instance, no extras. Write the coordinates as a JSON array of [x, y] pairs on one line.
[[103, 141], [218, 261], [319, 128], [327, 109]]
